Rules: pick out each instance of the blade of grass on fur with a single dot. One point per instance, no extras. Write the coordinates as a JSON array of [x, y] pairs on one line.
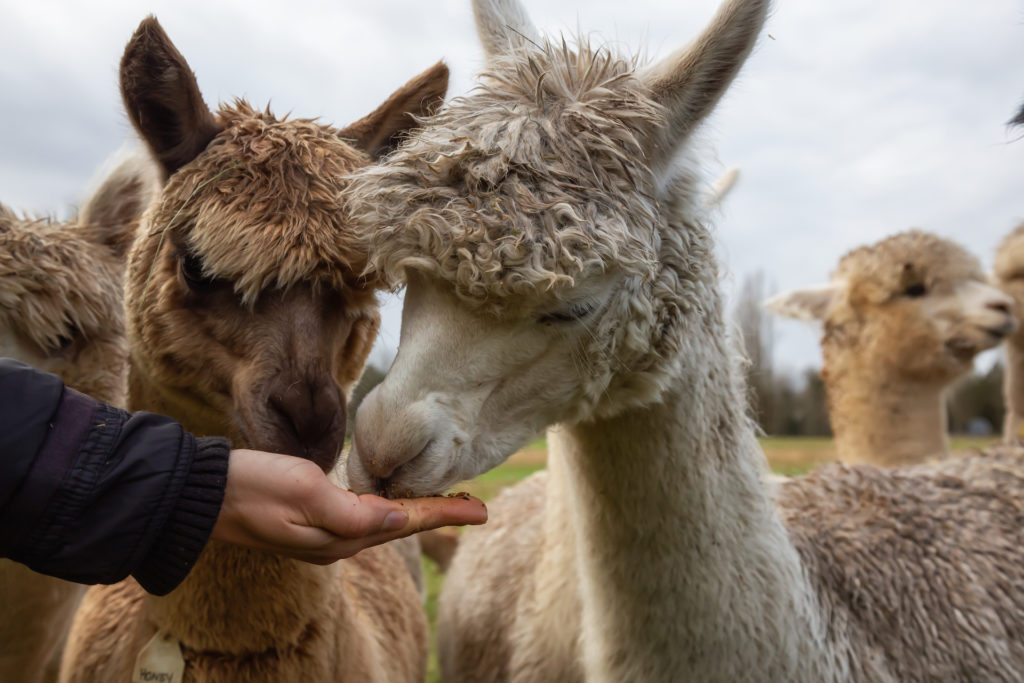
[[163, 233]]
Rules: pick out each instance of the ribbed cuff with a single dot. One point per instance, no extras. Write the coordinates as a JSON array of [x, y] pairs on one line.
[[188, 527]]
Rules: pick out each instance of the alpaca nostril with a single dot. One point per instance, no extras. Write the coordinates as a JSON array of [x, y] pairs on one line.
[[309, 414], [380, 468], [384, 465], [999, 306]]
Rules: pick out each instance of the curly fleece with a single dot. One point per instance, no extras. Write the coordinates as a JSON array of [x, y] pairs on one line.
[[533, 181]]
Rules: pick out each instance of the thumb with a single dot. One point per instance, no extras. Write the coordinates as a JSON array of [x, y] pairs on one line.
[[345, 514]]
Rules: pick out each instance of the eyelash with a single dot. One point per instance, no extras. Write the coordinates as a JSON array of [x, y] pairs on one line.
[[191, 270]]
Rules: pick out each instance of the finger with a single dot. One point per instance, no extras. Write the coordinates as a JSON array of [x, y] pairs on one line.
[[430, 513], [420, 514]]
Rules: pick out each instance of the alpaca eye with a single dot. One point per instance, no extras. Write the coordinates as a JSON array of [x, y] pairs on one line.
[[915, 290], [192, 272], [64, 341], [573, 313]]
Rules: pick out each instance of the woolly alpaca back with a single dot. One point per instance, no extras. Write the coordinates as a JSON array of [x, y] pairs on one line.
[[61, 311], [903, 318]]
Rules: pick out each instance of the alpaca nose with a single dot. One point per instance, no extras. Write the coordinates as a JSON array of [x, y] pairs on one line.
[[309, 413], [387, 437]]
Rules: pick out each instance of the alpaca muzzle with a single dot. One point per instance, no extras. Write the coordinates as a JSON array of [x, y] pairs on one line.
[[303, 417]]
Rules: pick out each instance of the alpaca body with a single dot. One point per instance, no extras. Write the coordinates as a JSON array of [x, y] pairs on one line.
[[294, 631], [558, 273], [248, 317], [870, 570], [903, 319], [61, 311]]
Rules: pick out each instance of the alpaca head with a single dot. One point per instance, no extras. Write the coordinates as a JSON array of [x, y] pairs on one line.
[[246, 310], [1009, 275], [912, 306], [61, 304], [547, 243]]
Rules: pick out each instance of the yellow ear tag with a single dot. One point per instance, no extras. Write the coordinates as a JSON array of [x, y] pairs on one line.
[[159, 661]]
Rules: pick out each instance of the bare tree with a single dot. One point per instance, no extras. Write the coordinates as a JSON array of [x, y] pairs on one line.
[[755, 325]]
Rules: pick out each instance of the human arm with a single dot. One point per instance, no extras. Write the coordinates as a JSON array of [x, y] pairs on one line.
[[92, 493]]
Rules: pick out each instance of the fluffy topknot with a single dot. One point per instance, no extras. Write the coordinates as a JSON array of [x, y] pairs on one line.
[[524, 185], [887, 269], [260, 207]]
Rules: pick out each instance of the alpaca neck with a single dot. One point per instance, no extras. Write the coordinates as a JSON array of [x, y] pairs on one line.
[[1013, 427], [234, 601], [686, 571], [882, 420]]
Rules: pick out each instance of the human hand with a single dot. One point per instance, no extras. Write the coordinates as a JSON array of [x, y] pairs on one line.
[[287, 505]]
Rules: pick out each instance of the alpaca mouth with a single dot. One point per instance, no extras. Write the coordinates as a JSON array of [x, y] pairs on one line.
[[962, 348], [398, 484], [1000, 331], [323, 450]]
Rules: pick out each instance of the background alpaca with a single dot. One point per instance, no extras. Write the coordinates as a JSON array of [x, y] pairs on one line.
[[61, 310], [903, 319], [1009, 274], [556, 275], [247, 316]]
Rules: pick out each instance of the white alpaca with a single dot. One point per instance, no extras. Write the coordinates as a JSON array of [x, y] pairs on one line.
[[903, 319], [555, 276], [61, 311]]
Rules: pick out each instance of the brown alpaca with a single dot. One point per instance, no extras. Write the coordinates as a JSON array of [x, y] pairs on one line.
[[61, 311], [247, 316], [1009, 275], [904, 318]]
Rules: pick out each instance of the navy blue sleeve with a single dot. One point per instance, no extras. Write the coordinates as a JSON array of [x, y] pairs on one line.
[[105, 493], [28, 401]]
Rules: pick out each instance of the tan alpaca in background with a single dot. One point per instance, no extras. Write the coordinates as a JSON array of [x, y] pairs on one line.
[[61, 310], [557, 274], [247, 316], [903, 319], [1009, 275]]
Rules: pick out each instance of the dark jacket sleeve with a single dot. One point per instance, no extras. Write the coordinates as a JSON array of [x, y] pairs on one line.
[[90, 493]]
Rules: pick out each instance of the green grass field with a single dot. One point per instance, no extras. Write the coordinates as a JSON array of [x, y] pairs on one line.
[[787, 455]]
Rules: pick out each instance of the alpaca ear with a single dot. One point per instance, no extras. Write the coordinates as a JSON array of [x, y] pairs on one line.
[[1017, 120], [112, 212], [503, 26], [690, 82], [811, 303], [162, 98], [380, 132], [357, 350], [721, 187]]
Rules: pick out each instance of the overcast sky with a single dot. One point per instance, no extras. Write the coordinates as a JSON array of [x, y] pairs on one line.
[[851, 121]]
